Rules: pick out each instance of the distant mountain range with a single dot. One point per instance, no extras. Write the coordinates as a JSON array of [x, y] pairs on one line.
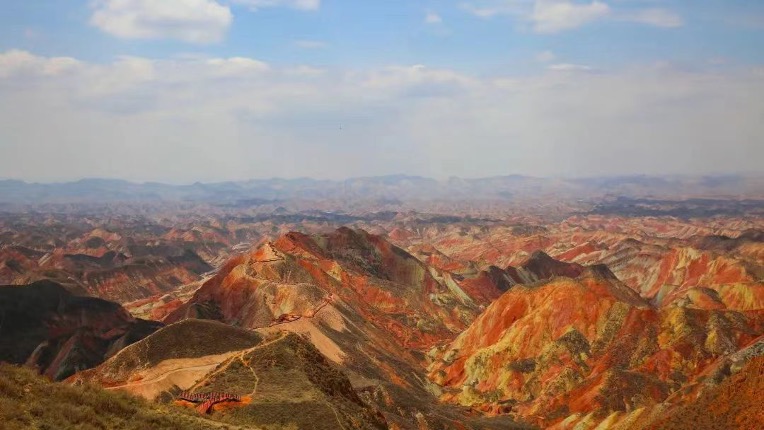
[[396, 188]]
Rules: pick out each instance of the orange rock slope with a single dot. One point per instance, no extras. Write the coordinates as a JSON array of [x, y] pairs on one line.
[[734, 404], [663, 259], [548, 341], [590, 345], [417, 304], [367, 305]]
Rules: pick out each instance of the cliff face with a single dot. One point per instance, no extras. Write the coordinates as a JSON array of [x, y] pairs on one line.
[[45, 326]]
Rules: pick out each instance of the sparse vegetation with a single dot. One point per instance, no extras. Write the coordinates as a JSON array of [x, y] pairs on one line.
[[186, 339], [296, 388], [28, 401]]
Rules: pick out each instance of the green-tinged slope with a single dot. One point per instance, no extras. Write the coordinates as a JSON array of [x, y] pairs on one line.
[[28, 401], [289, 385]]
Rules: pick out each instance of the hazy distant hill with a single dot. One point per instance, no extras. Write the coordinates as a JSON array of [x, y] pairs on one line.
[[390, 188]]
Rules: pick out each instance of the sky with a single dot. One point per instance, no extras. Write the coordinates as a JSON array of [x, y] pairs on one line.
[[181, 91]]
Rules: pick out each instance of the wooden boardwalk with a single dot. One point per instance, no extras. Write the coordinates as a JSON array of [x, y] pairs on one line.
[[207, 400]]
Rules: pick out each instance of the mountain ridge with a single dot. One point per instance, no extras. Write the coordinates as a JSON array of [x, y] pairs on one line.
[[399, 187]]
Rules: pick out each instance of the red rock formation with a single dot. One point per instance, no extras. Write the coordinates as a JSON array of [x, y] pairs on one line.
[[387, 307], [734, 404], [583, 346], [382, 282]]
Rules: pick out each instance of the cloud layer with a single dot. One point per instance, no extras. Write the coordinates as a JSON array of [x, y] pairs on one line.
[[183, 120], [554, 16]]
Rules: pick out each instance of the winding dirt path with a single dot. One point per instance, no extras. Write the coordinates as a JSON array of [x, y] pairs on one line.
[[198, 373], [240, 358], [162, 376]]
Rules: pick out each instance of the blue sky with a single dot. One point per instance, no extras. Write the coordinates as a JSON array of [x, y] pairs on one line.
[[439, 88], [351, 33]]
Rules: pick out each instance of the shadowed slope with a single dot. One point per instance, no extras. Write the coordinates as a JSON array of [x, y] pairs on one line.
[[132, 273], [45, 326], [175, 356]]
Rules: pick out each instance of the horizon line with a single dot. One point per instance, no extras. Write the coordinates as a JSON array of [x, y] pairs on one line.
[[746, 175]]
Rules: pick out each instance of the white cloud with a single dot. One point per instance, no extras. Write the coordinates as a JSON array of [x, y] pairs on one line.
[[310, 44], [567, 67], [193, 21], [545, 56], [416, 81], [554, 16], [432, 18], [656, 17], [16, 62], [237, 66], [294, 4], [179, 120]]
